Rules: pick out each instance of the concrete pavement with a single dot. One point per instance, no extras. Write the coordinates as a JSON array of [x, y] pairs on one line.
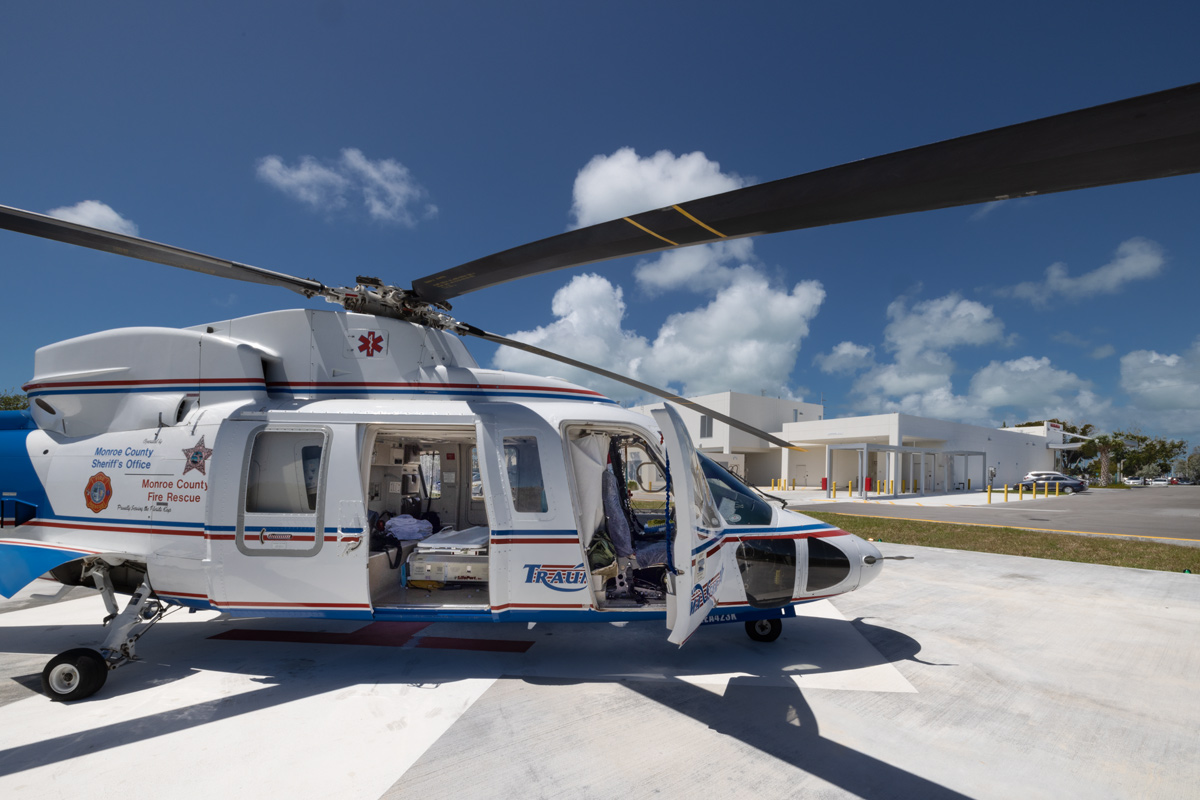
[[953, 675]]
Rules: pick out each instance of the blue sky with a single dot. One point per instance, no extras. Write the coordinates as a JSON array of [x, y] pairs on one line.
[[329, 140]]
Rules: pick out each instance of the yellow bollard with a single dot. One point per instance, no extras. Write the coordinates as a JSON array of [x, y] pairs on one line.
[[850, 489], [968, 484], [835, 488], [1006, 492], [1045, 491], [1055, 488], [989, 494], [1020, 491], [891, 486]]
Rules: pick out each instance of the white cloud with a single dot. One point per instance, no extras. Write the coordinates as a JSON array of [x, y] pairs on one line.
[[95, 214], [1135, 259], [911, 374], [939, 324], [1103, 351], [589, 311], [1164, 390], [708, 349], [846, 358], [386, 188], [919, 380], [746, 338], [937, 403], [1026, 382], [610, 187], [703, 268], [1027, 387], [1158, 381], [310, 182]]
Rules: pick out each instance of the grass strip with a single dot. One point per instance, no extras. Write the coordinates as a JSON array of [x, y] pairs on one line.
[[1021, 542]]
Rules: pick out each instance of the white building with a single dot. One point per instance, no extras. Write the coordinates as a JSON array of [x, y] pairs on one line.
[[913, 453]]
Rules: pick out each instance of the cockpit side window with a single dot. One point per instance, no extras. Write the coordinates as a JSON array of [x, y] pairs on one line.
[[736, 502]]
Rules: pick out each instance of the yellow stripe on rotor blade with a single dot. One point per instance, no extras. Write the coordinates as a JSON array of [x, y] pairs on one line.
[[701, 224], [652, 233]]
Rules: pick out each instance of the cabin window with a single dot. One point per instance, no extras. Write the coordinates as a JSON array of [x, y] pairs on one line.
[[285, 472], [524, 474], [706, 426], [476, 480], [827, 565], [431, 472], [768, 568]]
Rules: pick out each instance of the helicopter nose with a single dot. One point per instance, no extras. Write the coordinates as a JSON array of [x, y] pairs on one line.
[[871, 560]]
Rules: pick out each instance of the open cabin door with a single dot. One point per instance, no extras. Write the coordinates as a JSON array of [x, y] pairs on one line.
[[697, 557]]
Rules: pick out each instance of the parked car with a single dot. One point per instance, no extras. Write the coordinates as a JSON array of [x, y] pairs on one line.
[[1065, 485], [1161, 482], [1040, 475], [1135, 481], [1184, 481]]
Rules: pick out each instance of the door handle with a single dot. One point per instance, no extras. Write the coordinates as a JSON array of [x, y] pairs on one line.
[[354, 539]]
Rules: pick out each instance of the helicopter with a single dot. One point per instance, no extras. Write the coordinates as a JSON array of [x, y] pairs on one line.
[[360, 465]]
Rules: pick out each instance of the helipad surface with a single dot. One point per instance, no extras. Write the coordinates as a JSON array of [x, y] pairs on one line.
[[954, 674]]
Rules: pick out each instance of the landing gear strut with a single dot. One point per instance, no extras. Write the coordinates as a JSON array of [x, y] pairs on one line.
[[80, 673]]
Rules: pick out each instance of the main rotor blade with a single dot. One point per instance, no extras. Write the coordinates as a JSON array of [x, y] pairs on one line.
[[471, 330], [14, 219], [1151, 136]]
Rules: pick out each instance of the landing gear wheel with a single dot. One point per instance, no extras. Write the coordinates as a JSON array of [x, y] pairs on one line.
[[74, 675], [764, 630]]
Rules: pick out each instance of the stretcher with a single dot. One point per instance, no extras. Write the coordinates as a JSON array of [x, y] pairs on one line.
[[449, 558]]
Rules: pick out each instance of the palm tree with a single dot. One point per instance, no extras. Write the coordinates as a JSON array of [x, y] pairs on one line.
[[1104, 448]]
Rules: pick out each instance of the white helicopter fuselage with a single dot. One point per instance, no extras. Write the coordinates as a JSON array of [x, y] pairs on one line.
[[248, 465]]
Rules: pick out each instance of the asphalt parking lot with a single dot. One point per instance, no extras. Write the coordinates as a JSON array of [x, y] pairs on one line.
[[1169, 513]]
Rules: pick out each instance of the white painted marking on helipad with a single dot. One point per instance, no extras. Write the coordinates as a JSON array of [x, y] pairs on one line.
[[353, 740], [875, 675]]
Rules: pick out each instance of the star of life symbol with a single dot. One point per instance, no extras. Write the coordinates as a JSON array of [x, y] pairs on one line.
[[370, 343], [195, 457]]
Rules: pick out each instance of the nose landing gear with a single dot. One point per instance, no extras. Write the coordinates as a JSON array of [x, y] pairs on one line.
[[81, 672], [74, 675], [764, 630]]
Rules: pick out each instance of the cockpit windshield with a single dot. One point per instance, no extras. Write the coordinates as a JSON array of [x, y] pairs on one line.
[[737, 502]]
